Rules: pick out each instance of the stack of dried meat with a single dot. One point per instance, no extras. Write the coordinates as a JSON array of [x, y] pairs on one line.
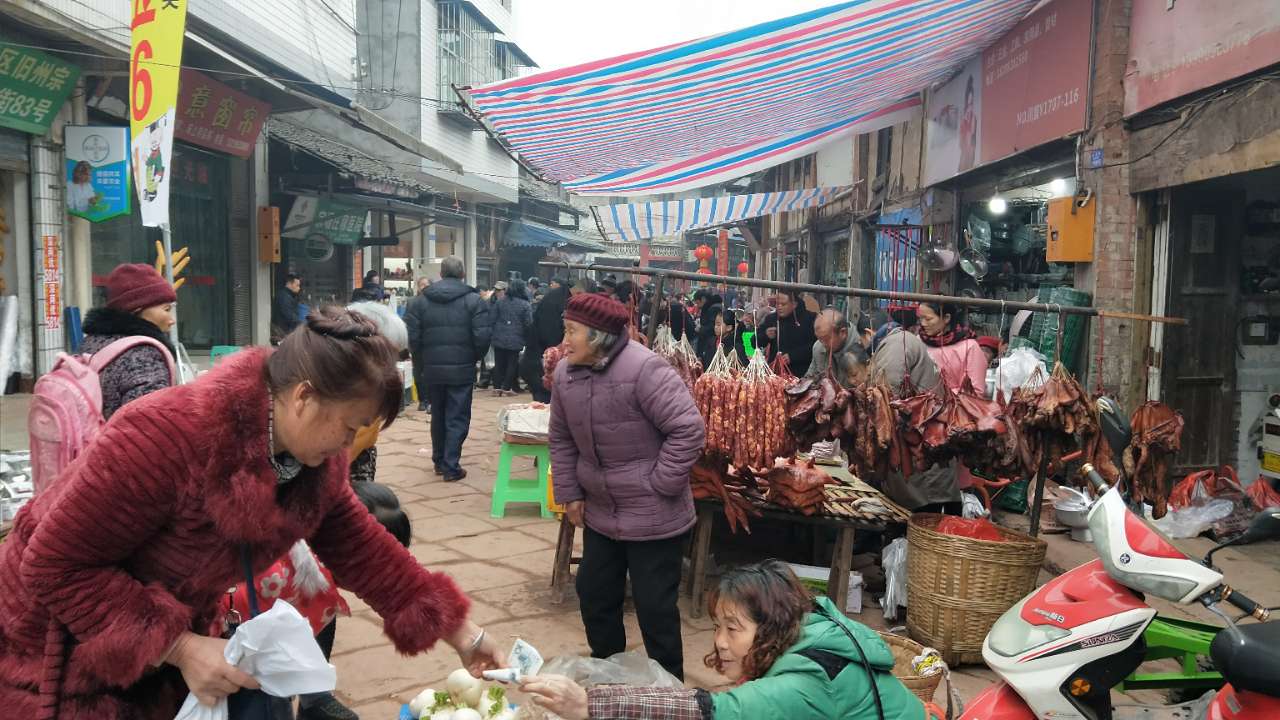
[[797, 485], [740, 492], [1052, 419], [680, 354], [744, 412], [1157, 437]]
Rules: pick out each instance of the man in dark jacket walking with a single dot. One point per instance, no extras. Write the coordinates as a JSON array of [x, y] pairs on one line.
[[284, 313], [547, 331], [709, 306], [449, 328]]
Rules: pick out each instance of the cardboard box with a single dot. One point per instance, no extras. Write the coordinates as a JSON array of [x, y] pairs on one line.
[[815, 578]]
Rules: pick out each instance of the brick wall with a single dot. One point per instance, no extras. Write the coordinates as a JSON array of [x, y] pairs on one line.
[[1111, 277]]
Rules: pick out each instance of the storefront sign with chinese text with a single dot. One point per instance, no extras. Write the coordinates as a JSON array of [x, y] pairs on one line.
[[97, 171], [341, 224], [1179, 48], [33, 87], [154, 61], [218, 117], [1027, 89]]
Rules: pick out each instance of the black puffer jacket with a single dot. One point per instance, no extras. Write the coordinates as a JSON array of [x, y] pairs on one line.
[[449, 329], [706, 345], [548, 320], [138, 371]]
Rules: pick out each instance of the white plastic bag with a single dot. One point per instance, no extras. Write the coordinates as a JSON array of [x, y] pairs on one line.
[[1018, 368], [1191, 521], [279, 650], [972, 506], [895, 578]]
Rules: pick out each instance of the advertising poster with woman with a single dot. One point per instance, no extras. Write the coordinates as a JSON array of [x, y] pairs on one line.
[[953, 115], [97, 171]]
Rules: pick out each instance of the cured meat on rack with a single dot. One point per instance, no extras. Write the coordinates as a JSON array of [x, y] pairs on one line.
[[744, 412], [1157, 438], [680, 354], [740, 492]]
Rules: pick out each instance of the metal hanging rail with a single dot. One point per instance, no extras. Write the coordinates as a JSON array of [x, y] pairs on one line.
[[868, 293]]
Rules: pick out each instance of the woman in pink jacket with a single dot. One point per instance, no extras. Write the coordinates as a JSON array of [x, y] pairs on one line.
[[956, 352]]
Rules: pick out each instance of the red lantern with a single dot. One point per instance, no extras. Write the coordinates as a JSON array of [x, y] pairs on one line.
[[703, 253], [743, 267]]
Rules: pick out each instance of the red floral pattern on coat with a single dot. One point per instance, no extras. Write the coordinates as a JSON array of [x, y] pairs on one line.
[[276, 583]]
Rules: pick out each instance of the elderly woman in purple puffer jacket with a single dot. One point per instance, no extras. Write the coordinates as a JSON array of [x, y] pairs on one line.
[[624, 434]]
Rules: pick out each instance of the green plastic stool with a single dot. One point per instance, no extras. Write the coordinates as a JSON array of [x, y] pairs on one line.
[[507, 489], [217, 352]]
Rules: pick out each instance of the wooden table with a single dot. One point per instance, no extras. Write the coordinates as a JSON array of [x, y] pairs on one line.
[[846, 524]]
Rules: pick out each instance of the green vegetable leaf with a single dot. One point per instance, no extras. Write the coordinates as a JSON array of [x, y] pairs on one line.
[[498, 696], [442, 701]]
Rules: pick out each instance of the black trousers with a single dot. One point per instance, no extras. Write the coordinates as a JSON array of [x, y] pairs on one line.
[[531, 373], [419, 380], [505, 365], [654, 566], [450, 425]]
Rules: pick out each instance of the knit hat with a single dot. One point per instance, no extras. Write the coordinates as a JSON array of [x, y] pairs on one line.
[[987, 341], [132, 287], [599, 312]]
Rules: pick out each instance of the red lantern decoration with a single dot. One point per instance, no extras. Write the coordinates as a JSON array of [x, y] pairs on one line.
[[703, 253], [743, 267]]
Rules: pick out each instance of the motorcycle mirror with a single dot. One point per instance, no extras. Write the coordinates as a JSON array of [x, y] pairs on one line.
[[1265, 526]]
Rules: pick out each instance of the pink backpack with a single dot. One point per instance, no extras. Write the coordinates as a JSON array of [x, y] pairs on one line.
[[66, 409]]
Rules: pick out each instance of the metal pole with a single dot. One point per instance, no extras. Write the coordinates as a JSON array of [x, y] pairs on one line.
[[859, 292], [1038, 496], [654, 304], [168, 275]]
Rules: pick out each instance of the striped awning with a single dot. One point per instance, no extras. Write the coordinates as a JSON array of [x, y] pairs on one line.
[[634, 222], [707, 111]]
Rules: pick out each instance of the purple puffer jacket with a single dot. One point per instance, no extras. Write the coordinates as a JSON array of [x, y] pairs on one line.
[[624, 435]]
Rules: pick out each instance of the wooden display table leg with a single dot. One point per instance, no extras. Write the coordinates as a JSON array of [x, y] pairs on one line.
[[841, 562], [698, 561], [564, 557]]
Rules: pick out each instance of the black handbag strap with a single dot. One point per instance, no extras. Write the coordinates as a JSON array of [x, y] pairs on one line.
[[246, 561]]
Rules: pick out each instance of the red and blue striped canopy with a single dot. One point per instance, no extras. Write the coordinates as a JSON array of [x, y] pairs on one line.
[[707, 111]]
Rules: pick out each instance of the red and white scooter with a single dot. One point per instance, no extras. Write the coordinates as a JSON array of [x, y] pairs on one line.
[[1063, 648]]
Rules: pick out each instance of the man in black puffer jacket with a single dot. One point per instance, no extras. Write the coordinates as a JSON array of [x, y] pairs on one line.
[[450, 329]]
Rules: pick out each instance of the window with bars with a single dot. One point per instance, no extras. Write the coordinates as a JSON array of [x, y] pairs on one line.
[[469, 51]]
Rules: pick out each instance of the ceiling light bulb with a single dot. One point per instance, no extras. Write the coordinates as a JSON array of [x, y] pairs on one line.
[[997, 205], [1057, 186]]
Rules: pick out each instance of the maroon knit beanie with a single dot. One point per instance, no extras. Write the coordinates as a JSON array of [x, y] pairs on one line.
[[133, 287], [599, 312]]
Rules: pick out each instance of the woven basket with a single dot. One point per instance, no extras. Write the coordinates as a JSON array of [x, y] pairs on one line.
[[957, 587], [904, 651]]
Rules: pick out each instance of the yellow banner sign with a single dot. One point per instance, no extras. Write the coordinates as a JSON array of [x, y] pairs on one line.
[[155, 59]]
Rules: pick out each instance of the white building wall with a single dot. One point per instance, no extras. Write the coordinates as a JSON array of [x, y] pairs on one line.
[[478, 155], [835, 162]]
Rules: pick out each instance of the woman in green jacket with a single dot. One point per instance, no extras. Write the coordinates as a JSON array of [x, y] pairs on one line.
[[788, 655]]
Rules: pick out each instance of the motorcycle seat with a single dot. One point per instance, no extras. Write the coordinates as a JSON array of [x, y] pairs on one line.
[[1252, 663]]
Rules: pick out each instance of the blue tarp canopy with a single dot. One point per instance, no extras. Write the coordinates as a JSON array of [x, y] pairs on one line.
[[528, 234]]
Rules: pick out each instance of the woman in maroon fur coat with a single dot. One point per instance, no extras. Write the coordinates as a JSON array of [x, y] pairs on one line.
[[106, 574]]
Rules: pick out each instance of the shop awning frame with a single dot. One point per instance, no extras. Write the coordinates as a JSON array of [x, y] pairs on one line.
[[532, 234]]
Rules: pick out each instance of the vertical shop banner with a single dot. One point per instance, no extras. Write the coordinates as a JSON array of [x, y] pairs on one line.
[[1027, 89], [1179, 48], [33, 87], [216, 116], [154, 65], [51, 264], [97, 171]]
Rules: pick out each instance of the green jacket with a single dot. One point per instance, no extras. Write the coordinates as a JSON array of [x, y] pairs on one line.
[[798, 688]]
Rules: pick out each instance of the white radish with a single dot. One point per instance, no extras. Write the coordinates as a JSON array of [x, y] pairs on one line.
[[466, 714], [463, 688], [422, 702], [442, 715]]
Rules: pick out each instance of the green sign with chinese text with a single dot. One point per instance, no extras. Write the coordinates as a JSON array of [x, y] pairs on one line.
[[33, 87]]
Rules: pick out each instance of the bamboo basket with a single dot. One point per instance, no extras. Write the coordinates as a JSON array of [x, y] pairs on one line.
[[904, 651], [957, 587]]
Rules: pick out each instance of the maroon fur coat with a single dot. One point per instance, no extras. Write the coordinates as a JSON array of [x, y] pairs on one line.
[[140, 538]]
